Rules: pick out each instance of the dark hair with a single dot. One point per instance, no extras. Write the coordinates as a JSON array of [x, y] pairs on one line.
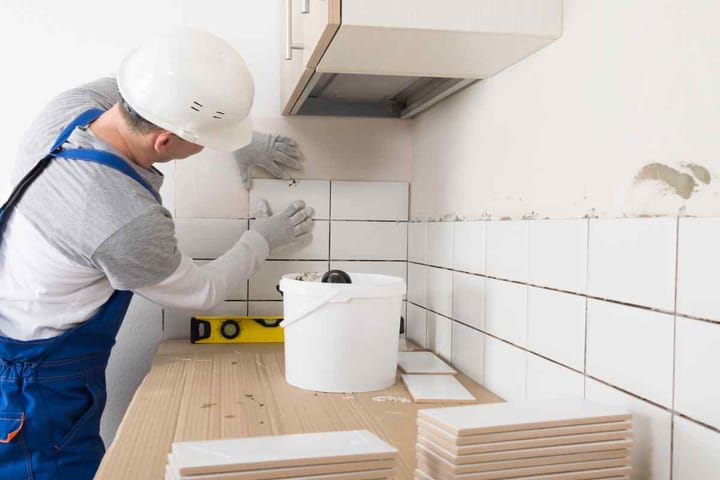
[[136, 122]]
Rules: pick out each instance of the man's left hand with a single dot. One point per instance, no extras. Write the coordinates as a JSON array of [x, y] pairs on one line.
[[273, 153]]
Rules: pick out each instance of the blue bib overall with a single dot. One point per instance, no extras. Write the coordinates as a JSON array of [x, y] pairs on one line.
[[52, 391]]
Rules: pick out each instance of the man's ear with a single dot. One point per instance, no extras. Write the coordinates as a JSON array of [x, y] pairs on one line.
[[162, 141]]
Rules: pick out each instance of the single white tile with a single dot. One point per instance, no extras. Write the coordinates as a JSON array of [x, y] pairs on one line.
[[469, 299], [633, 260], [417, 242], [470, 244], [317, 249], [439, 290], [506, 310], [507, 250], [208, 186], [697, 383], [268, 309], [504, 370], [423, 362], [176, 323], [468, 347], [280, 193], [440, 244], [556, 326], [369, 200], [698, 260], [417, 325], [695, 451], [208, 238], [130, 360], [548, 381], [650, 453], [436, 388], [249, 453], [558, 254], [631, 348], [440, 335], [239, 293], [263, 283], [368, 241], [417, 284]]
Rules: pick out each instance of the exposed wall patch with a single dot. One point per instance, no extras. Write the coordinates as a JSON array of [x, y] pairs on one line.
[[700, 172], [681, 183]]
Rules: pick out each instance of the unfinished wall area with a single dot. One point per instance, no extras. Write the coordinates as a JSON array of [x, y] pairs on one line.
[[552, 282]]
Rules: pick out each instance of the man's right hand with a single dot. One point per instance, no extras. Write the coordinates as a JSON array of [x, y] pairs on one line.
[[290, 227]]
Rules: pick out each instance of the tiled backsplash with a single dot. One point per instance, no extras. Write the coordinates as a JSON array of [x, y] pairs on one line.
[[622, 311], [359, 227]]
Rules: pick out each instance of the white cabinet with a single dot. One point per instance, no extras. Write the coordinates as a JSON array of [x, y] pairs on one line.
[[394, 58]]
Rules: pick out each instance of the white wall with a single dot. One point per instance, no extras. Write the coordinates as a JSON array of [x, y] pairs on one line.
[[564, 132]]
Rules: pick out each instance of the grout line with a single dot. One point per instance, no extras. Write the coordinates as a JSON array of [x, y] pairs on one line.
[[674, 354]]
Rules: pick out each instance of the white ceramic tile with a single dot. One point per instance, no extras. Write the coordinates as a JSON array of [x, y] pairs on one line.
[[417, 284], [556, 326], [695, 451], [436, 388], [633, 260], [440, 335], [263, 283], [369, 200], [546, 380], [468, 347], [239, 293], [440, 244], [368, 241], [506, 310], [270, 309], [316, 249], [417, 242], [240, 454], [394, 269], [631, 348], [698, 261], [130, 360], [651, 430], [280, 193], [439, 290], [504, 370], [469, 250], [469, 299], [697, 383], [507, 249], [208, 186], [208, 238], [423, 362], [417, 325], [176, 323], [558, 254]]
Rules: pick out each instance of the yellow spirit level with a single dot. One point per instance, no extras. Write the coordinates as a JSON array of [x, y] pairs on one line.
[[260, 329]]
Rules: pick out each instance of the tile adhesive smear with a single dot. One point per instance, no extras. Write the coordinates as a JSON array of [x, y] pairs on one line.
[[341, 337]]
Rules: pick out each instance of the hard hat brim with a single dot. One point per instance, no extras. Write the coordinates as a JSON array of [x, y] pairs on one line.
[[228, 139]]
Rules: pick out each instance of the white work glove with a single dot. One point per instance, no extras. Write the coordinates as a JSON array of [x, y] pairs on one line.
[[290, 227], [273, 153]]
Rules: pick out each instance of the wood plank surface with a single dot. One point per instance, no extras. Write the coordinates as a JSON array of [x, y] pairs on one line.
[[206, 392]]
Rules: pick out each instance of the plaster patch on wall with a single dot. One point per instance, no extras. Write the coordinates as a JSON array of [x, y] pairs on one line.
[[682, 184]]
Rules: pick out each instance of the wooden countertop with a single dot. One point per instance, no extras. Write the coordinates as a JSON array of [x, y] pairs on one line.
[[203, 392]]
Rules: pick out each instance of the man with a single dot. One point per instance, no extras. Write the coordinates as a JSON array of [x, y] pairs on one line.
[[84, 229]]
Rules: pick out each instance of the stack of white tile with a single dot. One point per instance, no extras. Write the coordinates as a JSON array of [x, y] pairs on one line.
[[345, 455], [558, 440], [429, 379]]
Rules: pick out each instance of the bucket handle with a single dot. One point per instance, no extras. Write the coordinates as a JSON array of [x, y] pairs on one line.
[[310, 309]]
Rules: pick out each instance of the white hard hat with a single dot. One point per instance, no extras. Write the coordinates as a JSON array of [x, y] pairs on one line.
[[193, 84]]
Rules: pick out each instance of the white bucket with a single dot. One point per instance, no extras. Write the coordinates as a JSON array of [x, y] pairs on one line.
[[342, 337]]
